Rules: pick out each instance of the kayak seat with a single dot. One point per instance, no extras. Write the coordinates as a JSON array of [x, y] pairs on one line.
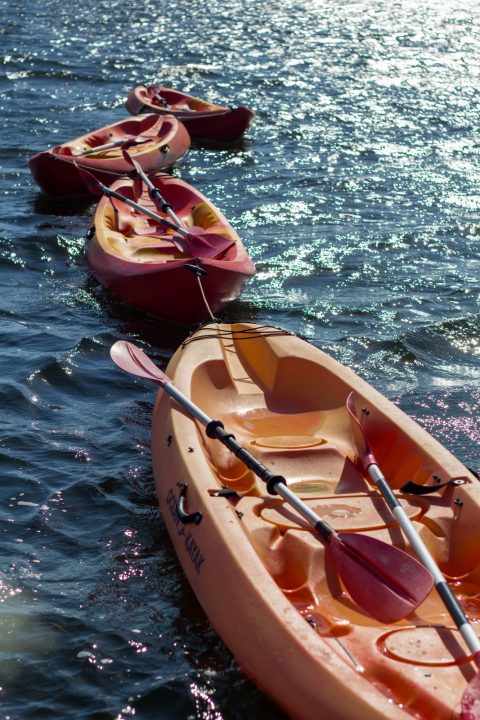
[[291, 434], [139, 243], [300, 446]]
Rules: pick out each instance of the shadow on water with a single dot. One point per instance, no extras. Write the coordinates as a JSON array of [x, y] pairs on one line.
[[73, 205], [240, 145], [156, 331]]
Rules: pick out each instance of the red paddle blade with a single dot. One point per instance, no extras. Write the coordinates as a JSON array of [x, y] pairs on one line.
[[204, 245], [471, 700], [132, 162], [137, 140], [382, 579], [131, 359], [92, 184], [137, 188]]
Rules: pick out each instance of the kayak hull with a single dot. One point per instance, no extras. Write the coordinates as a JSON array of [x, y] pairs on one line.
[[167, 141], [203, 120], [267, 584], [135, 259]]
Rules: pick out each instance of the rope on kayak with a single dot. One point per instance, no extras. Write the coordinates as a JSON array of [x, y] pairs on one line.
[[260, 331], [68, 159], [198, 272]]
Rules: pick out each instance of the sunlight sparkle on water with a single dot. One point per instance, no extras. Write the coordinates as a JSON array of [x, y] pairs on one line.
[[205, 706]]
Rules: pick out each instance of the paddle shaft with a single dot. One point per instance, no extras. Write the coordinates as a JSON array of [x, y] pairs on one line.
[[427, 560], [155, 192], [113, 193], [276, 484], [106, 146], [156, 195]]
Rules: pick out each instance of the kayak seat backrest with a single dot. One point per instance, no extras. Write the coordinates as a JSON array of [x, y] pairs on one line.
[[204, 216], [148, 123], [68, 149], [122, 219], [180, 197], [198, 105]]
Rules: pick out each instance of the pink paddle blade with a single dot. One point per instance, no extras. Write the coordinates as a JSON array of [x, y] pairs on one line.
[[132, 161], [138, 140], [382, 579], [471, 699], [204, 245], [92, 184], [133, 360], [137, 189]]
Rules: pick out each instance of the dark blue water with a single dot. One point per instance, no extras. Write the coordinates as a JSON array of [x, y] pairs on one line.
[[357, 193]]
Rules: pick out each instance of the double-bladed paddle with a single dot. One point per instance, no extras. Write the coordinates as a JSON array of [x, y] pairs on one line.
[[471, 697], [124, 142], [194, 240], [382, 579], [153, 191]]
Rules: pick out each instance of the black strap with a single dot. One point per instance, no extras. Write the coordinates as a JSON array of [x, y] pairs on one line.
[[412, 488]]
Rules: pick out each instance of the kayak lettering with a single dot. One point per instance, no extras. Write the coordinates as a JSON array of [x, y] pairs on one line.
[[191, 545], [194, 551]]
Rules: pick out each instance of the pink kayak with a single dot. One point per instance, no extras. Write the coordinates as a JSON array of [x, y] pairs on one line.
[[147, 264], [155, 142], [203, 120]]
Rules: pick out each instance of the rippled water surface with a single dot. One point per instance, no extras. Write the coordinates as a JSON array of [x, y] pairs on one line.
[[357, 193]]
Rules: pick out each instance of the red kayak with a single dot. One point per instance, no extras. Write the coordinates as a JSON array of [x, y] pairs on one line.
[[170, 268], [203, 120], [155, 142]]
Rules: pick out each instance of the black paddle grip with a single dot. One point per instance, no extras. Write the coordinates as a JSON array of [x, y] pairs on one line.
[[216, 431], [451, 603], [155, 194]]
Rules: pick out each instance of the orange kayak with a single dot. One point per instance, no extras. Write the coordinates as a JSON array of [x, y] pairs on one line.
[[155, 142], [148, 265], [267, 582], [204, 120]]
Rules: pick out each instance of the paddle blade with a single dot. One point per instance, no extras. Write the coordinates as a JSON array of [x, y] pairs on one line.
[[93, 185], [133, 162], [471, 700], [131, 359], [137, 188], [383, 580], [204, 245], [137, 140]]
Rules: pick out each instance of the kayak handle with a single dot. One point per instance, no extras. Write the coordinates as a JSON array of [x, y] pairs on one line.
[[184, 517]]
